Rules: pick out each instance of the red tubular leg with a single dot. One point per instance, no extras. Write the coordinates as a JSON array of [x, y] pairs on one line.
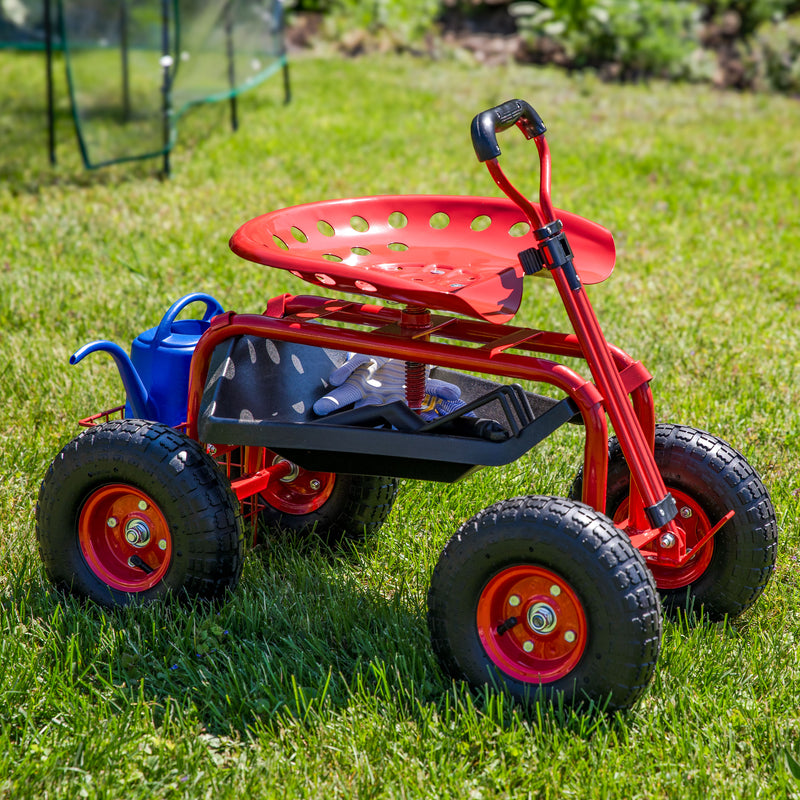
[[633, 441], [646, 414], [595, 459]]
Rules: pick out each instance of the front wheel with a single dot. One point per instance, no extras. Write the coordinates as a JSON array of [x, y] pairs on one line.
[[707, 478], [133, 510], [546, 598]]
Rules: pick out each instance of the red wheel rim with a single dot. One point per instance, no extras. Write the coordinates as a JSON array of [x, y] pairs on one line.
[[550, 634], [124, 538], [300, 492], [696, 525]]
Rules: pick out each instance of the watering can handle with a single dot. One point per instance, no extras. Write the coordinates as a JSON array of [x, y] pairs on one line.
[[165, 326], [487, 124]]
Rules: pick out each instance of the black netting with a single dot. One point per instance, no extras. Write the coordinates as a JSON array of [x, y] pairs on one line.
[[134, 66]]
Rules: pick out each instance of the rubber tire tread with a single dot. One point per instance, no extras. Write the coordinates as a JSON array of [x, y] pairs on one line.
[[201, 510], [613, 583], [719, 479], [357, 508]]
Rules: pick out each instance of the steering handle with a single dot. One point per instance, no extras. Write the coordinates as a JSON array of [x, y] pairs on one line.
[[487, 124]]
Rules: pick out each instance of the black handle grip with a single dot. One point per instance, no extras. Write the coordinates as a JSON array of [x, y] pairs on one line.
[[488, 124]]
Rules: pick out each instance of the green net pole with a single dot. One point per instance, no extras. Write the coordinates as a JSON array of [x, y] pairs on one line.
[[166, 64], [51, 116], [279, 23], [124, 54], [231, 65]]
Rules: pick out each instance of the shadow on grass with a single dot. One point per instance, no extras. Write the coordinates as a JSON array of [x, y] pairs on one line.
[[304, 639]]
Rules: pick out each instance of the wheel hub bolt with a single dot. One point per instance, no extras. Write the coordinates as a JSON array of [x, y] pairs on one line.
[[111, 522], [162, 544], [314, 484], [569, 636], [667, 540], [542, 618], [137, 533], [514, 600], [142, 505], [686, 512], [528, 646]]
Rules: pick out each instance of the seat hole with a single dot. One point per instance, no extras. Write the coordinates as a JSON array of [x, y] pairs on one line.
[[397, 219], [519, 229]]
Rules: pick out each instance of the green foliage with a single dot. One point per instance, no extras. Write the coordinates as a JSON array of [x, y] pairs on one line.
[[751, 13], [640, 37], [405, 21], [778, 47]]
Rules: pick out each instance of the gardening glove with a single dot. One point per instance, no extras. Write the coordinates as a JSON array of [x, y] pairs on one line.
[[371, 380], [441, 398], [363, 380]]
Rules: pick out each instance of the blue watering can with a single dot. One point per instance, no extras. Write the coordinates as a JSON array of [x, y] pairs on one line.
[[156, 374]]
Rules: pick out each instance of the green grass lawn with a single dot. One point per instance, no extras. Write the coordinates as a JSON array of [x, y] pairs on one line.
[[316, 677]]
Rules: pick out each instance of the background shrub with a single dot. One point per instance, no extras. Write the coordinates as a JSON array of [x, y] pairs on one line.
[[777, 48], [732, 43], [633, 37]]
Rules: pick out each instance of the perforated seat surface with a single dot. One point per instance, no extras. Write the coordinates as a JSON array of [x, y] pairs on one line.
[[457, 254]]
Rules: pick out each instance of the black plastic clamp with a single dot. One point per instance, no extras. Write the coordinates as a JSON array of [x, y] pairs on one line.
[[554, 250], [662, 512]]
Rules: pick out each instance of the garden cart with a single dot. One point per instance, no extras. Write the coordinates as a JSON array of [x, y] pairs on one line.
[[305, 416]]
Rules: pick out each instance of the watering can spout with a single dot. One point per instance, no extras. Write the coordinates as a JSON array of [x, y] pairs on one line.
[[140, 403]]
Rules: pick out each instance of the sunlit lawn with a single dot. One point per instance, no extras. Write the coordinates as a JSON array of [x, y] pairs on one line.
[[316, 678]]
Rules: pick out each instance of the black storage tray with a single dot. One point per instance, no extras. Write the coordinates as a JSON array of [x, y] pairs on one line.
[[260, 392]]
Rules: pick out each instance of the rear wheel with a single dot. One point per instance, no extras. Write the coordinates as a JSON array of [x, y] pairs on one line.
[[333, 506], [134, 510], [707, 478], [545, 597]]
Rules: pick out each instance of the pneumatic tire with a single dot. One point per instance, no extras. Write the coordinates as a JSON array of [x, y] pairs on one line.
[[545, 598], [707, 478], [131, 511]]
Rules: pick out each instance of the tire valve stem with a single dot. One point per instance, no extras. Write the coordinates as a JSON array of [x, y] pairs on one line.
[[138, 561], [507, 625]]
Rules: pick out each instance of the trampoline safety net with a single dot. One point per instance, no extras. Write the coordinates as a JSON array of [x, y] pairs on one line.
[[135, 66]]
